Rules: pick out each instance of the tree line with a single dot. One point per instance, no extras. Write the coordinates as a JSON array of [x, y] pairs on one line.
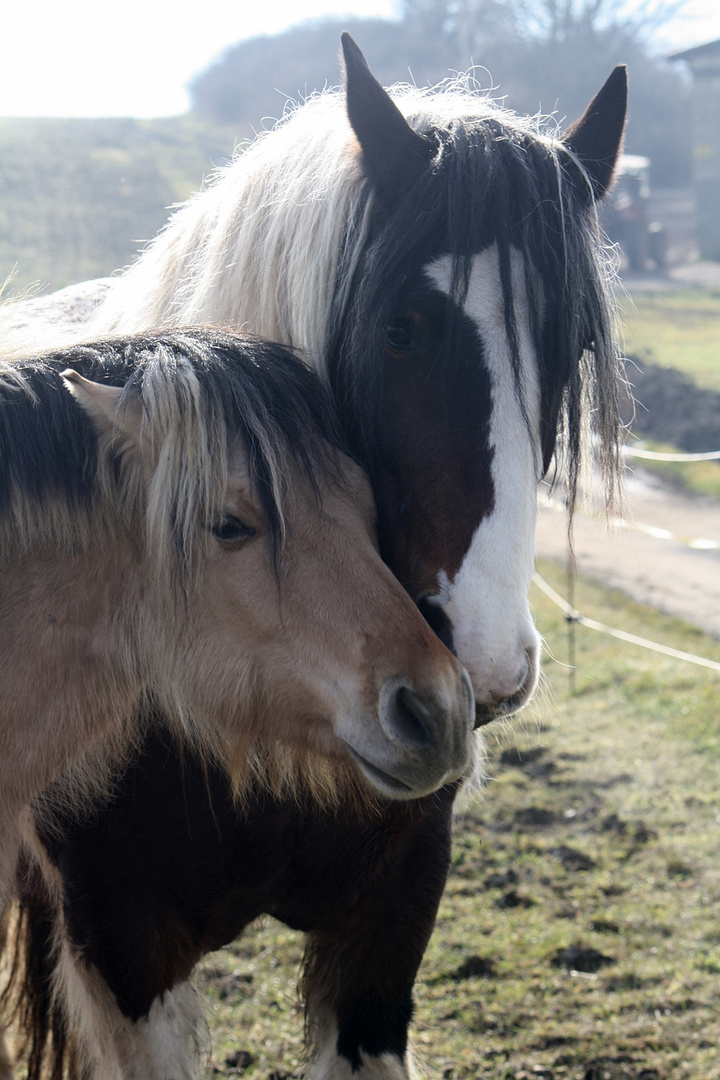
[[546, 56]]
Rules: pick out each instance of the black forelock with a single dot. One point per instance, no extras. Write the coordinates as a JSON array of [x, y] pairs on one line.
[[263, 392], [279, 407], [491, 181], [47, 447]]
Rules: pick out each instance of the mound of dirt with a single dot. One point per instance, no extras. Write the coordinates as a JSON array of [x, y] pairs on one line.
[[670, 408]]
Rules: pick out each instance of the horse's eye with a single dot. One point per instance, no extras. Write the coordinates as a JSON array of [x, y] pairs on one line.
[[399, 335], [231, 530]]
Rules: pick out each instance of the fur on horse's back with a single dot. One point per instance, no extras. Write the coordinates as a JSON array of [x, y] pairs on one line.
[[50, 321]]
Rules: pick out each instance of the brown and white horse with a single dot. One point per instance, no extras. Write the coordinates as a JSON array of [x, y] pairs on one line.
[[438, 260]]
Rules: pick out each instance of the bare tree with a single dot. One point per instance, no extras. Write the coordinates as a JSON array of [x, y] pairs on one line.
[[464, 30], [563, 20], [454, 34]]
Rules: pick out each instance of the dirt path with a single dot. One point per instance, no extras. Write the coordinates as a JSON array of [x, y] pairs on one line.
[[666, 572]]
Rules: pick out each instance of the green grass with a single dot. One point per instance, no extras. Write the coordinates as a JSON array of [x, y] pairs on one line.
[[676, 329], [622, 778], [78, 198]]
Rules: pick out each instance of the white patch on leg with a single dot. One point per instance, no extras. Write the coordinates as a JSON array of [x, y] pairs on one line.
[[327, 1064], [92, 1015], [165, 1046], [487, 601], [170, 1040], [6, 1067]]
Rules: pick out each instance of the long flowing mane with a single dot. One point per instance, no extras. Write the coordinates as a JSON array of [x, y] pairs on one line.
[[276, 241], [199, 391]]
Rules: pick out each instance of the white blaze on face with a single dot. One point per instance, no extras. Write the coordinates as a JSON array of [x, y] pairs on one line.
[[487, 601]]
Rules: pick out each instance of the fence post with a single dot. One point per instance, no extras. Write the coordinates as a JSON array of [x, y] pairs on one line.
[[570, 571]]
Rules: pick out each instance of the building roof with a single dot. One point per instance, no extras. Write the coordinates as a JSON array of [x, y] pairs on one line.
[[709, 51]]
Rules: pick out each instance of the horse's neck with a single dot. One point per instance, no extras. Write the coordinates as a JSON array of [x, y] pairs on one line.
[[266, 248], [69, 668]]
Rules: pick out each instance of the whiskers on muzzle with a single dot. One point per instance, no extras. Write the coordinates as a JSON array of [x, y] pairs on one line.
[[505, 704]]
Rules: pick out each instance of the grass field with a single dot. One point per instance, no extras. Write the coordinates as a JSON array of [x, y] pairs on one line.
[[579, 934], [78, 198], [676, 329]]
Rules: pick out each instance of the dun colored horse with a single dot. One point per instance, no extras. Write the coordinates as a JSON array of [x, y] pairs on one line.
[[192, 537]]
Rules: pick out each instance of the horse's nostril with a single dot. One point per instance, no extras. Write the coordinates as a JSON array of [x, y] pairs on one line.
[[407, 718]]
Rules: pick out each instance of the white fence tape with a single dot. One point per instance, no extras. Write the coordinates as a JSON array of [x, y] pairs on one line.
[[699, 543], [657, 455], [572, 615]]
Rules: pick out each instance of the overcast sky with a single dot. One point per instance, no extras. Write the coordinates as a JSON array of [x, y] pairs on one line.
[[87, 58]]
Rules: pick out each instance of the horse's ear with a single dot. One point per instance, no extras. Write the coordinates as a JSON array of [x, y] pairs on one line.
[[394, 155], [101, 403], [597, 137]]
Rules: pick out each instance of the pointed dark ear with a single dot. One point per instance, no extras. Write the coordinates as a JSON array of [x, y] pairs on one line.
[[393, 154], [597, 137]]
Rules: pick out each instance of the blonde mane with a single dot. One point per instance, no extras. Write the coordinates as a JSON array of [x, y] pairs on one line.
[[269, 245], [273, 243]]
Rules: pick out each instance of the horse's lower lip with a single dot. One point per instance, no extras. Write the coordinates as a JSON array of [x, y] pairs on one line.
[[485, 714], [381, 778]]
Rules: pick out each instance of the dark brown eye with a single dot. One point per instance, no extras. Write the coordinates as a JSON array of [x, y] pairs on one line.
[[399, 335], [231, 530]]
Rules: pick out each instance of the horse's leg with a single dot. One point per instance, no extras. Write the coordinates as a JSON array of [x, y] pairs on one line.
[[165, 1044], [10, 841], [164, 874], [171, 1042], [6, 1065], [6, 1069], [73, 1021], [60, 1016], [360, 971]]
